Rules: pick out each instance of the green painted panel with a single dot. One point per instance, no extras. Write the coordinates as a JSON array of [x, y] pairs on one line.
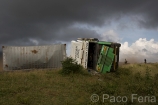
[[105, 43], [111, 49], [105, 59], [104, 50], [105, 68], [100, 66], [99, 60]]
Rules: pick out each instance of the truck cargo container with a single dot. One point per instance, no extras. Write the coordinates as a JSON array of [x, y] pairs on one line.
[[96, 55]]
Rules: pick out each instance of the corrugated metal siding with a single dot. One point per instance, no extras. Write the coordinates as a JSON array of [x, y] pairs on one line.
[[29, 57]]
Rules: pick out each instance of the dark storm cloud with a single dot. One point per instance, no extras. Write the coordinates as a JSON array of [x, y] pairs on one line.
[[52, 20], [72, 33]]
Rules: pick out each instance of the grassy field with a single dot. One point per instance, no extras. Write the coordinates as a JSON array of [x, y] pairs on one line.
[[49, 87]]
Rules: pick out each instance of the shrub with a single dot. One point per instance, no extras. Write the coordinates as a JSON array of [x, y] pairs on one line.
[[69, 65]]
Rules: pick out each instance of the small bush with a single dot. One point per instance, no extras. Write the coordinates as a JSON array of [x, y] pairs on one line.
[[69, 65]]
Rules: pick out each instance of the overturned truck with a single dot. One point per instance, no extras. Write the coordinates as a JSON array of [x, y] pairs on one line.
[[97, 55]]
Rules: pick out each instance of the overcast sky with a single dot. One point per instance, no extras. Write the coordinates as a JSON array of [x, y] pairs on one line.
[[133, 23]]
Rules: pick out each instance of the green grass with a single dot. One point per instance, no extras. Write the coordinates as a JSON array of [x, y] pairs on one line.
[[49, 87]]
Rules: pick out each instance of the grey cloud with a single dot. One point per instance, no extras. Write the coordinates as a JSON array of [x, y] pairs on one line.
[[144, 50], [72, 33], [52, 20]]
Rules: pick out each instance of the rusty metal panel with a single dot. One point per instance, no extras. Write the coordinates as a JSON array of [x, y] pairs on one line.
[[33, 57]]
